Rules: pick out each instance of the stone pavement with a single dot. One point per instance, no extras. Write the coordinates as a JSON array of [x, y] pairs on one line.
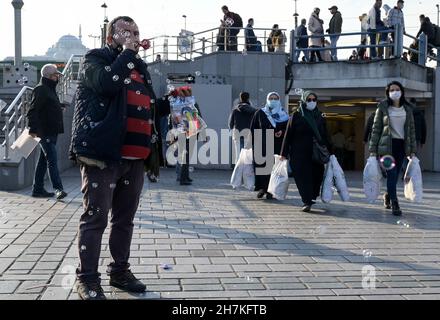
[[225, 244]]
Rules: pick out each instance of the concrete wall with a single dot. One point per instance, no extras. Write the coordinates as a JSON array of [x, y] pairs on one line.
[[436, 117]]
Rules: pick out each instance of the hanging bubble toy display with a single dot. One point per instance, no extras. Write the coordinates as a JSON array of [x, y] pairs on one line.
[[388, 162], [185, 116]]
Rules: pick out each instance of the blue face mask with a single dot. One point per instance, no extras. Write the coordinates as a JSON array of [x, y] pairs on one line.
[[274, 104]]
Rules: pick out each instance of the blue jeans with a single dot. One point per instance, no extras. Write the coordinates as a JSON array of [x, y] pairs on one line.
[[383, 38], [334, 43], [393, 175], [47, 161]]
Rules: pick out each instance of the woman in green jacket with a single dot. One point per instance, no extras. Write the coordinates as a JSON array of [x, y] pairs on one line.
[[394, 135]]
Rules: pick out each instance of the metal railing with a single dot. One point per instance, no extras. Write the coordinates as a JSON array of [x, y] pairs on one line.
[[187, 46], [15, 114], [421, 51]]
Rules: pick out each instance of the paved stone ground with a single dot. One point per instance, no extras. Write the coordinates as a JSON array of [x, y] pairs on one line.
[[225, 244]]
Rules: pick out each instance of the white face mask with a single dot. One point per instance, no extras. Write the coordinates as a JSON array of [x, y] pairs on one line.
[[395, 95], [311, 105]]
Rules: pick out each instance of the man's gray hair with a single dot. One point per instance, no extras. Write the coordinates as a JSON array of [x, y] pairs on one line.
[[49, 70]]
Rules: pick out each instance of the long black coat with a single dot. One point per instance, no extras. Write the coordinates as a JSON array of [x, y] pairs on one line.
[[298, 147], [260, 121], [100, 118], [45, 115]]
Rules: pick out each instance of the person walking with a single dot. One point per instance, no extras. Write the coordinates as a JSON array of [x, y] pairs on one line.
[[375, 25], [396, 18], [45, 121], [233, 24], [303, 41], [306, 127], [272, 117], [393, 134], [111, 140], [317, 31], [335, 29], [240, 123]]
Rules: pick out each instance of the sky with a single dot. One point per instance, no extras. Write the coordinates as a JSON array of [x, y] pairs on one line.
[[45, 21]]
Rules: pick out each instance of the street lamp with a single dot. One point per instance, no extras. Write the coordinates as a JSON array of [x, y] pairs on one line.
[[296, 15], [104, 27], [184, 17], [438, 13]]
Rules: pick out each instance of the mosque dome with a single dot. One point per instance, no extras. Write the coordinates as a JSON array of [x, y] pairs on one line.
[[65, 47]]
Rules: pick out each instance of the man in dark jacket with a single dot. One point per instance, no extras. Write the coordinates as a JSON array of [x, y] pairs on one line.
[[252, 44], [112, 138], [45, 120], [428, 29], [335, 28], [240, 122], [302, 43], [233, 22]]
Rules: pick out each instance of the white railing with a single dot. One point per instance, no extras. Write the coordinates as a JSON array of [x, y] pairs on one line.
[[15, 114]]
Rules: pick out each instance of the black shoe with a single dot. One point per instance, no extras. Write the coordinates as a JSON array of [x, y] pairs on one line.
[[60, 194], [190, 180], [307, 208], [43, 194], [185, 183], [386, 201], [396, 208], [127, 281], [90, 290], [261, 194], [269, 196], [152, 178]]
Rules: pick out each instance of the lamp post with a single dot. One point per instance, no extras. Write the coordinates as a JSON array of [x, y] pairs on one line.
[[104, 27], [296, 15], [184, 17], [438, 13]]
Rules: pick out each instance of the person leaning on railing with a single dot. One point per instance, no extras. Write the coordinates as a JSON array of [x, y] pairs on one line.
[[302, 42], [376, 24], [317, 30], [396, 18], [252, 43]]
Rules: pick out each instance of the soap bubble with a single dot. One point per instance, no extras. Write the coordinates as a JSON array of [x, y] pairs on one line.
[[90, 213], [130, 65], [367, 254], [388, 162], [126, 182], [92, 294], [69, 280], [127, 81], [84, 144], [115, 77], [198, 73], [403, 223], [112, 185], [108, 68], [138, 92], [95, 185], [26, 65], [191, 169], [299, 91], [83, 248]]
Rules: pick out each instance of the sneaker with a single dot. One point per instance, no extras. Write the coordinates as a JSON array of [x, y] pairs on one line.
[[386, 201], [261, 194], [43, 194], [60, 194], [306, 208], [127, 281], [90, 290], [396, 208]]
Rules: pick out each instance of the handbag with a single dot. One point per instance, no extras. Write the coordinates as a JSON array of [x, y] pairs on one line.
[[320, 155]]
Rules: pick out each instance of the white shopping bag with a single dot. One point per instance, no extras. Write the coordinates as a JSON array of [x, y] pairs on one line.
[[279, 179], [327, 188], [339, 179], [244, 171], [25, 144], [413, 181], [372, 179]]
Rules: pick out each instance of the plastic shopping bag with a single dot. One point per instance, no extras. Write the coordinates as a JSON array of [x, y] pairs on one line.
[[413, 181], [339, 179], [279, 179], [25, 144], [372, 179], [328, 184], [244, 171]]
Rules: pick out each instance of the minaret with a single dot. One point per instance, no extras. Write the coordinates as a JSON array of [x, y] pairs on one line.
[[17, 4], [80, 34]]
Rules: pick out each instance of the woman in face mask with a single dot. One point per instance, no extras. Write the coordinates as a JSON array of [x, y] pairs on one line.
[[271, 117], [306, 125], [393, 135]]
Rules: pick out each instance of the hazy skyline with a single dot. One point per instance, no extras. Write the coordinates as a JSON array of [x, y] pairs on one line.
[[165, 17]]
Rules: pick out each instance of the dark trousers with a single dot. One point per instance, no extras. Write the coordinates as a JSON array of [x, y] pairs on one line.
[[316, 53], [47, 162], [182, 167], [308, 178], [393, 175], [116, 188], [373, 40]]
